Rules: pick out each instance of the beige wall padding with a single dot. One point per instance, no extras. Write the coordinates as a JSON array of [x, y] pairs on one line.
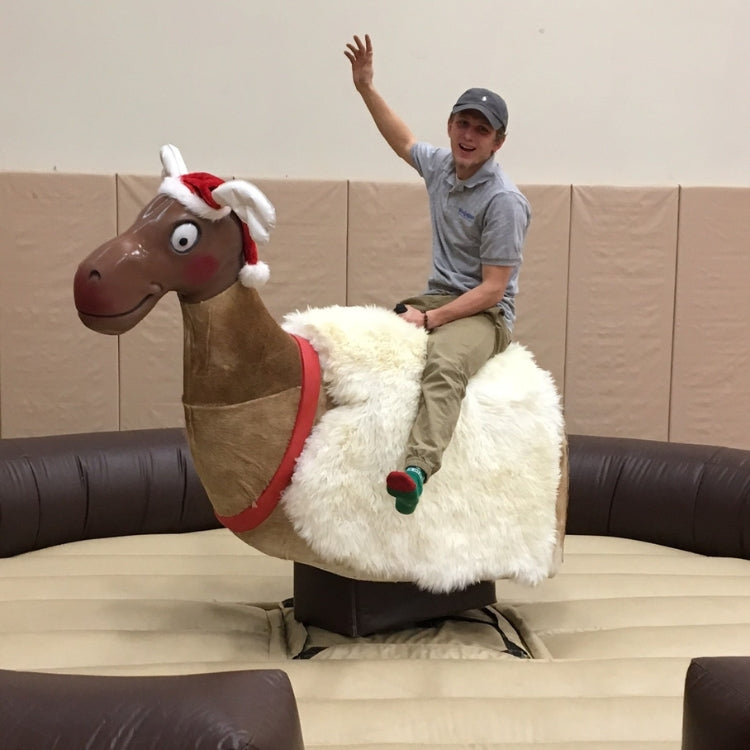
[[307, 252], [711, 371], [389, 242], [55, 375], [623, 245], [542, 301], [611, 278]]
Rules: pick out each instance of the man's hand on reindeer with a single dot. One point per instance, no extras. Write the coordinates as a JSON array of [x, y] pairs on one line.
[[410, 314], [414, 316]]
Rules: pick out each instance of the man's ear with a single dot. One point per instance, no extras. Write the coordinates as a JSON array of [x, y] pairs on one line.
[[498, 143]]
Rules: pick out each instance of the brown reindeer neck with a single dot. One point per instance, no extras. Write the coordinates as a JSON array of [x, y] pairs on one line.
[[234, 351]]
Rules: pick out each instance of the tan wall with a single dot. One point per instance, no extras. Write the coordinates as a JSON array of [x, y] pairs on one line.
[[635, 299]]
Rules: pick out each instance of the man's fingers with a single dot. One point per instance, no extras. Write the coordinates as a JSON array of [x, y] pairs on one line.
[[361, 47], [358, 52]]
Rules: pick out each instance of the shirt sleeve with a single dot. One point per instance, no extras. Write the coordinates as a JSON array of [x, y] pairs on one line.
[[506, 222], [427, 160]]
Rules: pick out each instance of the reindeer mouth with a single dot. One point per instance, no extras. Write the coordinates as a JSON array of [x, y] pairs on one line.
[[123, 314], [118, 322]]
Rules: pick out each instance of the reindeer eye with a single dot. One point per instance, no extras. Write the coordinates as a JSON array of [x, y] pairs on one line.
[[184, 237]]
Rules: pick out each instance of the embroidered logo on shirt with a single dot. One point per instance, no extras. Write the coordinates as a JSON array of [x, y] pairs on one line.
[[465, 214]]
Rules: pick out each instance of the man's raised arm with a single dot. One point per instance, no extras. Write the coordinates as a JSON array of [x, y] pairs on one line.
[[391, 126]]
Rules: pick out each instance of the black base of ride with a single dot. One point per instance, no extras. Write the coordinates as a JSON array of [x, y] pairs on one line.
[[358, 608]]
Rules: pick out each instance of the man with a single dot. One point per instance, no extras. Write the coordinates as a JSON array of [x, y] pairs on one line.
[[479, 223]]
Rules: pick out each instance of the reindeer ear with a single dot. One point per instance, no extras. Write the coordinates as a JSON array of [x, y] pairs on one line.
[[173, 165], [250, 204]]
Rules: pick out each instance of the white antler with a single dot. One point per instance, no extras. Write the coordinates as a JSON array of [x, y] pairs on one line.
[[173, 165], [250, 204]]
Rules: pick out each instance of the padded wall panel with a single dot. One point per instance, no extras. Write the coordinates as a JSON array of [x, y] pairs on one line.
[[307, 251], [620, 311], [710, 380], [56, 376], [150, 353], [542, 301], [390, 242]]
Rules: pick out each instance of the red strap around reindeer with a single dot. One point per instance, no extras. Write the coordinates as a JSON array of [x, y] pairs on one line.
[[259, 511]]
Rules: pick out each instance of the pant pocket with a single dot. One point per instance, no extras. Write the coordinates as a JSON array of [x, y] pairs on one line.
[[502, 334]]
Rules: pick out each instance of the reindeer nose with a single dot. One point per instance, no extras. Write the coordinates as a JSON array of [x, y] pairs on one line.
[[87, 289]]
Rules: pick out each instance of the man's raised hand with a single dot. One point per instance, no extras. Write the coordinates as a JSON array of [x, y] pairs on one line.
[[360, 56]]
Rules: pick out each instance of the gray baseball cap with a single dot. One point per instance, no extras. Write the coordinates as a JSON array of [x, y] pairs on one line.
[[490, 104]]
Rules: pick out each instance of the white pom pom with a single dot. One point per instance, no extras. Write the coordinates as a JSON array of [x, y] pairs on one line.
[[255, 276]]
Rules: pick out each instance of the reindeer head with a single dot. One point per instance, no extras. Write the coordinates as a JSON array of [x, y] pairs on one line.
[[195, 238]]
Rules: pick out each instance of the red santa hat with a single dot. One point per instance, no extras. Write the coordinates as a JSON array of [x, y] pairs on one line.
[[212, 198]]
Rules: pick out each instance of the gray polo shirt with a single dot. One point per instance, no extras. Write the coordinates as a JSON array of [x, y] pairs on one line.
[[475, 222]]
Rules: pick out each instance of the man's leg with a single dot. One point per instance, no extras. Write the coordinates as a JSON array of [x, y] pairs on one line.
[[455, 352]]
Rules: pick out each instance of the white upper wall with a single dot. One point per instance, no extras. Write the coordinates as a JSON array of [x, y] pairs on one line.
[[599, 91]]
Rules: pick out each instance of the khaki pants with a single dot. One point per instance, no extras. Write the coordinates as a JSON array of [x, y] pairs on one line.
[[455, 352]]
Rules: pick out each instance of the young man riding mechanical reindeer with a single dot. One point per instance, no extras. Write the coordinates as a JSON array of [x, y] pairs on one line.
[[479, 223]]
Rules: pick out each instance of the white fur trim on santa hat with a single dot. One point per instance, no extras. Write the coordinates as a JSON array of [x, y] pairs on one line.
[[175, 188], [255, 275]]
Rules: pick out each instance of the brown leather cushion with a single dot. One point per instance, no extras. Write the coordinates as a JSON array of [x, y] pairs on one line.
[[64, 488], [690, 497], [227, 710], [716, 711]]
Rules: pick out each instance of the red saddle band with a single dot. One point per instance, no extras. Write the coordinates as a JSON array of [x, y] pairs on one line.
[[259, 511]]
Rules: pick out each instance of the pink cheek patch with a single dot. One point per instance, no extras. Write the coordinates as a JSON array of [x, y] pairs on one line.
[[200, 270]]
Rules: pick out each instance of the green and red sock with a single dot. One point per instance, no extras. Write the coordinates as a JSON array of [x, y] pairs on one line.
[[406, 486]]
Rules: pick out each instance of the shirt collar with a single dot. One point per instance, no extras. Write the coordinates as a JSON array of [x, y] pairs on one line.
[[484, 173]]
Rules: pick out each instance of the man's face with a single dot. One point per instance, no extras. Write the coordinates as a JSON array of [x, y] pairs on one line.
[[473, 141]]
